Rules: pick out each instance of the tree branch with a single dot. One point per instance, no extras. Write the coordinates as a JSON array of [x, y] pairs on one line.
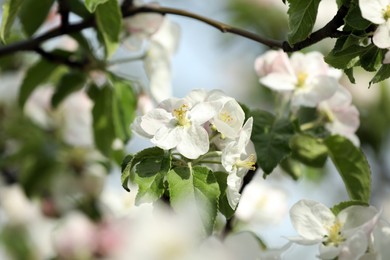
[[60, 59], [63, 9], [329, 30]]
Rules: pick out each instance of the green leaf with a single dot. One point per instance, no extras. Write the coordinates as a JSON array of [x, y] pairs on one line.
[[36, 75], [131, 160], [69, 83], [195, 186], [271, 138], [372, 58], [10, 10], [124, 108], [382, 74], [345, 204], [77, 7], [354, 18], [109, 22], [302, 16], [352, 166], [93, 4], [349, 73], [103, 126], [150, 175], [345, 59], [125, 169], [309, 150], [33, 13], [223, 203]]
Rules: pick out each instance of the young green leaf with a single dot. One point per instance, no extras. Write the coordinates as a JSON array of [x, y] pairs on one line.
[[345, 204], [126, 170], [69, 83], [33, 13], [195, 186], [354, 18], [124, 107], [271, 138], [103, 126], [302, 16], [352, 166], [150, 174], [93, 4], [77, 7], [346, 52], [109, 22], [382, 74], [10, 11], [36, 75], [308, 150]]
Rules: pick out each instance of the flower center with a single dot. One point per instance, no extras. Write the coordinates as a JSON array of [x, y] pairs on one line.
[[225, 117], [334, 236], [302, 76], [181, 115], [248, 163], [386, 13]]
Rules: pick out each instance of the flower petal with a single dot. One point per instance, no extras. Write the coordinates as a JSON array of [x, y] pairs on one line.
[[372, 10], [382, 36], [310, 219], [194, 141]]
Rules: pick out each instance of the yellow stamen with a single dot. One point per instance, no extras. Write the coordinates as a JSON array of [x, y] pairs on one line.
[[386, 13], [225, 117], [334, 236], [181, 115], [302, 76], [248, 163]]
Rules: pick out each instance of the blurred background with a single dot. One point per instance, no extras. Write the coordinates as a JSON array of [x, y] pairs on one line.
[[43, 177]]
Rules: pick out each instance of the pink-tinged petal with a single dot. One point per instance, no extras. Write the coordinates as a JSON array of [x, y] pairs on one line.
[[348, 116], [167, 137], [341, 98], [273, 62], [154, 120], [382, 36], [373, 10], [320, 88], [312, 63], [279, 82], [310, 219], [194, 141]]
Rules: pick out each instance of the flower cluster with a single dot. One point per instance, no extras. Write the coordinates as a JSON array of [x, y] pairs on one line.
[[203, 125], [307, 81], [356, 232]]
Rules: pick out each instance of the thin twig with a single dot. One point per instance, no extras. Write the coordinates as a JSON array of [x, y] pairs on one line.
[[63, 9], [60, 59]]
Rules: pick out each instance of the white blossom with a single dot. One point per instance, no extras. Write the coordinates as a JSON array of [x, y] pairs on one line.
[[238, 157], [378, 12], [177, 123], [345, 236], [305, 76], [341, 116]]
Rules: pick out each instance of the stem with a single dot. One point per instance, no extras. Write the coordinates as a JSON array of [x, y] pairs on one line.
[[309, 125], [208, 155], [207, 161]]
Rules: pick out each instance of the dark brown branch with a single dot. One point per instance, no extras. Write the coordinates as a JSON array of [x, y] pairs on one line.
[[60, 59], [225, 28], [329, 30], [63, 9]]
